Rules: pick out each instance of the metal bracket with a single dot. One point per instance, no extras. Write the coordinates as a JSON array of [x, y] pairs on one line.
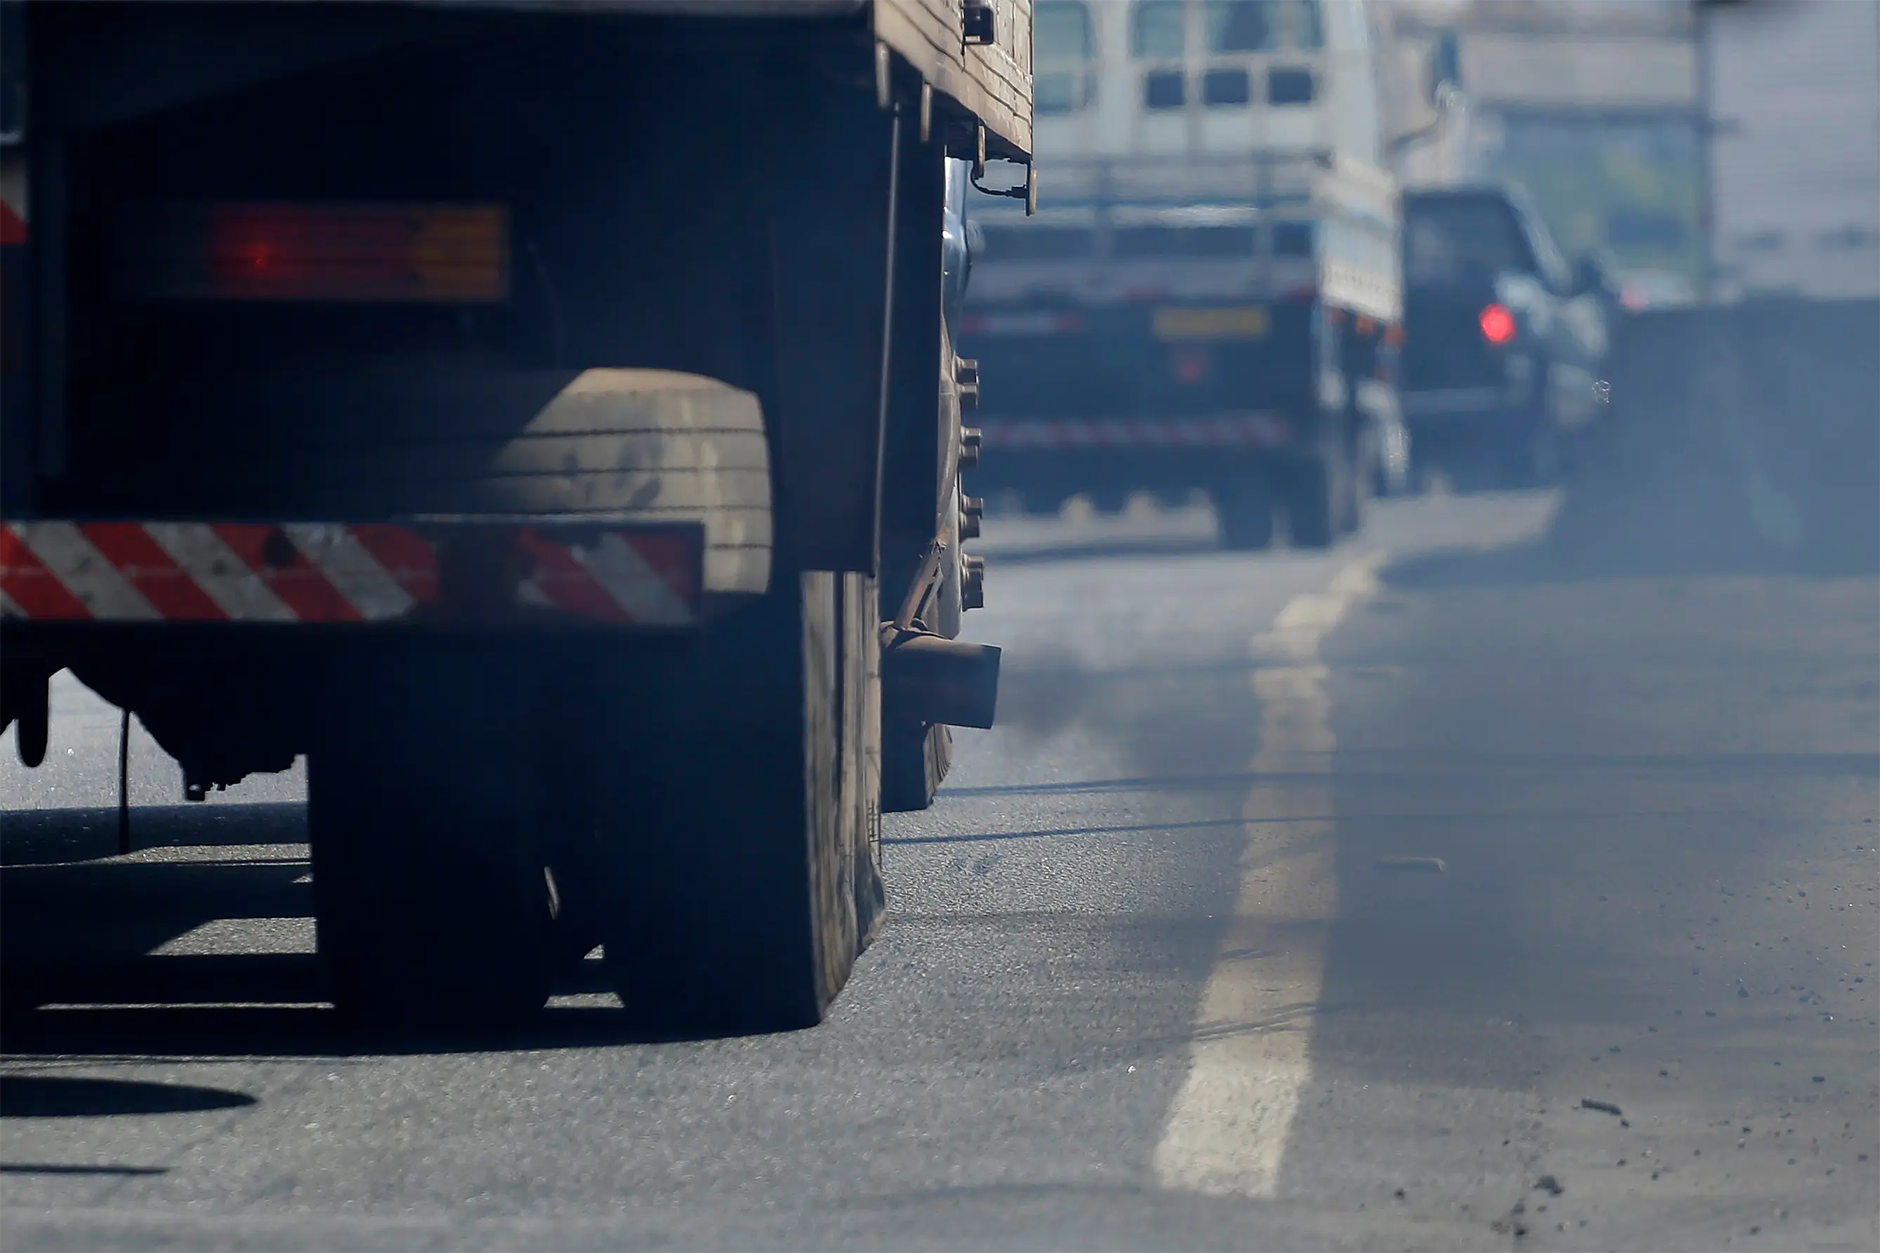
[[917, 590], [1028, 192]]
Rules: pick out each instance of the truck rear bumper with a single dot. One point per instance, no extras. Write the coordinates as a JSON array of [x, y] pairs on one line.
[[1056, 457], [458, 573], [1255, 429], [1439, 404]]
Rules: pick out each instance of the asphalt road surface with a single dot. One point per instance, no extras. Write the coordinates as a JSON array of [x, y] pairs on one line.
[[1493, 881]]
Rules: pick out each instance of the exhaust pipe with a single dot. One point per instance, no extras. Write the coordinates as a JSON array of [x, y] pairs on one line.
[[931, 679]]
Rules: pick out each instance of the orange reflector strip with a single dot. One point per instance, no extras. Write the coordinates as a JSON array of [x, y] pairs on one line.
[[444, 254]]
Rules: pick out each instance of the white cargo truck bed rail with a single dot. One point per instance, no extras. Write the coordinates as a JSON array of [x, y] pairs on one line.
[[1348, 209]]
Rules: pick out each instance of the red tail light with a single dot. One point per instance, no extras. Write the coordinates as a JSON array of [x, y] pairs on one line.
[[1497, 324], [1189, 363], [315, 252]]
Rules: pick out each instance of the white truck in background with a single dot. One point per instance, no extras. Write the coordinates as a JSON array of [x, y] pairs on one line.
[[1210, 293]]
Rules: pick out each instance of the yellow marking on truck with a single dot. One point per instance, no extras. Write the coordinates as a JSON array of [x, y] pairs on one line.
[[1243, 322]]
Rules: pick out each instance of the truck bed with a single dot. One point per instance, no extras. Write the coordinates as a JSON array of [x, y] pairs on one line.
[[1351, 258], [992, 82]]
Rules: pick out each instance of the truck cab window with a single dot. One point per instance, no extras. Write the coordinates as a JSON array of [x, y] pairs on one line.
[[1156, 30], [1308, 27], [1449, 240], [1064, 49], [1242, 25], [1263, 25]]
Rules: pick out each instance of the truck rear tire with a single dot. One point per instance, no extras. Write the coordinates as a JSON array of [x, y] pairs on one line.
[[1359, 480], [431, 897], [1536, 460], [731, 843], [1311, 504], [914, 762], [1245, 514]]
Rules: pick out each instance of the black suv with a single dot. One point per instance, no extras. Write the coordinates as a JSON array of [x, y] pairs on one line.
[[1504, 344]]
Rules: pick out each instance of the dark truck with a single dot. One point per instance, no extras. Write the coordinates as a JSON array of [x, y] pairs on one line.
[[1504, 344], [543, 417]]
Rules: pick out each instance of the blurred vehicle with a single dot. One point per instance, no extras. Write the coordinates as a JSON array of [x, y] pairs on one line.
[[1208, 295], [1640, 290], [1590, 109], [1503, 342]]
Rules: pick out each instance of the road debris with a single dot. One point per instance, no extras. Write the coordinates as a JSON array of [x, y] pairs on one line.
[[1604, 1107]]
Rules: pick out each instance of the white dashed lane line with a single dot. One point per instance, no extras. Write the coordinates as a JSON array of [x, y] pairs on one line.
[[1227, 1129]]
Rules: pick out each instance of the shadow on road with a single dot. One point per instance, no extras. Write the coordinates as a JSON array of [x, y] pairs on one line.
[[97, 959], [57, 1096], [38, 837]]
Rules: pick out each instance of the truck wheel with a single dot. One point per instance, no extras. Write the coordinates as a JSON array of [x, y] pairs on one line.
[[733, 853], [1311, 504], [914, 762], [1356, 488], [1245, 514], [431, 900], [1543, 458]]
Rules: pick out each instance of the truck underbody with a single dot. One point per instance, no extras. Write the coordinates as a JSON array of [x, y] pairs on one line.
[[403, 379]]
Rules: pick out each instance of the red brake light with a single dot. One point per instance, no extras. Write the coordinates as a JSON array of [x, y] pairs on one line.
[[437, 253], [1497, 324], [1189, 363]]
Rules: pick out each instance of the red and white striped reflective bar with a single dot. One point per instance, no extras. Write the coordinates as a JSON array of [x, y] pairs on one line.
[[301, 572], [1244, 430]]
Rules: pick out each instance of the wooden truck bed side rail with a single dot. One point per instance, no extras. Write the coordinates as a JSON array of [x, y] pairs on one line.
[[991, 81]]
